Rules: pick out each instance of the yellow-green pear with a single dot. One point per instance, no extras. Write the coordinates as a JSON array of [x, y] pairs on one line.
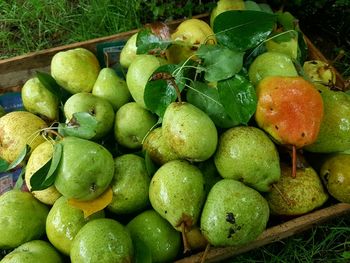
[[128, 53], [111, 87], [39, 100], [75, 70], [19, 128]]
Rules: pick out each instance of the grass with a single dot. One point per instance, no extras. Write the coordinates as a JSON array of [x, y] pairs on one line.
[[32, 25]]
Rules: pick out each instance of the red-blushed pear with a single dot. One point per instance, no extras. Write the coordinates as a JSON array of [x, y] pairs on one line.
[[290, 109]]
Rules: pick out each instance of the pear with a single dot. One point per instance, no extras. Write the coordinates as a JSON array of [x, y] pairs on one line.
[[111, 87], [128, 53], [85, 170], [177, 193], [278, 44], [247, 154], [157, 148], [19, 128], [75, 70], [130, 169], [102, 240], [38, 100], [233, 214], [319, 72], [40, 156], [296, 196], [189, 131], [22, 218], [335, 126], [35, 251], [64, 222], [271, 64], [139, 72], [132, 123], [335, 173], [160, 238], [98, 107], [223, 6]]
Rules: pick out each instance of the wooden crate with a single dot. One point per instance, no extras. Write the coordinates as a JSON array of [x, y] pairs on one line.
[[15, 71]]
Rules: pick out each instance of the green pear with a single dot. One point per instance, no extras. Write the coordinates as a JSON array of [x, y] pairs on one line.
[[19, 128], [22, 218], [281, 45], [271, 64], [38, 100], [161, 239], [177, 193], [320, 72], [296, 196], [157, 148], [335, 173], [102, 240], [335, 126], [247, 154], [111, 87], [75, 70], [85, 169], [223, 6], [98, 107], [130, 169], [39, 157], [139, 72], [64, 222], [128, 53], [132, 123], [189, 131], [35, 251], [233, 214]]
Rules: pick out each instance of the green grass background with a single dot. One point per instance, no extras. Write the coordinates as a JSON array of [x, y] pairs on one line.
[[32, 25]]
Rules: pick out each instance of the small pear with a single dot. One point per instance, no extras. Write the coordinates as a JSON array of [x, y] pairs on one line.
[[128, 53], [161, 239], [189, 131], [139, 71], [132, 123], [85, 170], [38, 100], [157, 148], [177, 193], [335, 173], [247, 154], [130, 169], [320, 72], [100, 108], [111, 87], [233, 214], [75, 70], [40, 156], [19, 128], [335, 125], [296, 196]]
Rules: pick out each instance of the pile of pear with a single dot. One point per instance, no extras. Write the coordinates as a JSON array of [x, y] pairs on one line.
[[208, 185]]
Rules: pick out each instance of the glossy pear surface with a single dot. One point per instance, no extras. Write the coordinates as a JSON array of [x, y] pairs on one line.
[[128, 53], [189, 131]]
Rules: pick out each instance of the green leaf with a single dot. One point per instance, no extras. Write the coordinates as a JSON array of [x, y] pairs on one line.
[[207, 99], [149, 43], [3, 165], [20, 157], [20, 179], [45, 176], [160, 90], [243, 29], [346, 254], [219, 62], [238, 97], [82, 125], [286, 20], [303, 49]]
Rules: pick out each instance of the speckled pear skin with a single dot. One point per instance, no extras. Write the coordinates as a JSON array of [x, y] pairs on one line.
[[233, 214], [177, 193], [247, 154], [189, 132], [299, 195]]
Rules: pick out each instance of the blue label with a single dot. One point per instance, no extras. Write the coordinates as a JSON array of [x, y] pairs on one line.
[[11, 101]]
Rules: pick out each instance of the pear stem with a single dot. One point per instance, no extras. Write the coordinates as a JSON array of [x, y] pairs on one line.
[[106, 59], [177, 90], [285, 199], [184, 238], [54, 133], [294, 161], [205, 253]]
